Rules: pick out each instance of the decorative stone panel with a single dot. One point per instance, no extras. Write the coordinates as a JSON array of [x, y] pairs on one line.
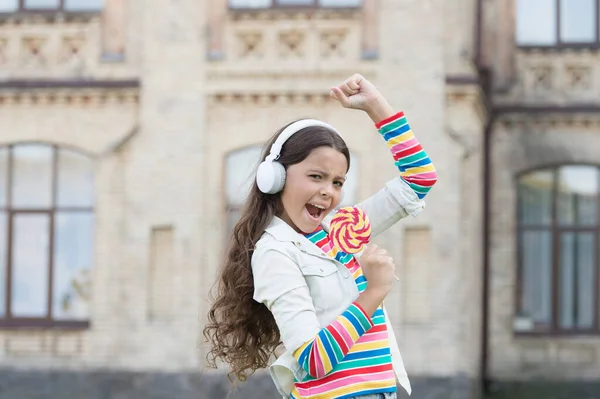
[[555, 77], [67, 47], [290, 42]]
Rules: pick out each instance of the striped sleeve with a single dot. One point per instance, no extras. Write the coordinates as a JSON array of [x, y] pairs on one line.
[[411, 160], [321, 354]]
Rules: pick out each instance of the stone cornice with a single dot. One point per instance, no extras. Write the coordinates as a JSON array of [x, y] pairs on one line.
[[292, 14], [45, 18], [525, 117], [278, 72], [264, 98], [83, 98]]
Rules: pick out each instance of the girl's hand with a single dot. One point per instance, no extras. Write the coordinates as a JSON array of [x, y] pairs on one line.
[[358, 93], [378, 268]]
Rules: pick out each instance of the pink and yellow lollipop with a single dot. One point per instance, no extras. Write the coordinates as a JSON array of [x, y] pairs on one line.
[[350, 229]]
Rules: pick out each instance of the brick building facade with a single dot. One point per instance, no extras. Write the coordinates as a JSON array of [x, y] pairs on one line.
[[125, 125]]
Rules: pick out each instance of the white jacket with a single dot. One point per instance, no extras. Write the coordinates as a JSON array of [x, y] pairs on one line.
[[306, 290]]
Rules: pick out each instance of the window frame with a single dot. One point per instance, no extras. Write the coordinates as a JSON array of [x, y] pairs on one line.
[[558, 43], [7, 321], [22, 9], [556, 231], [276, 5]]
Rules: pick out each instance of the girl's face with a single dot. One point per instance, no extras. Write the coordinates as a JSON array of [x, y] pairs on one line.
[[313, 188]]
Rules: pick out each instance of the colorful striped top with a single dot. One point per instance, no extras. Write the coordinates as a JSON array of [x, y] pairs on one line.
[[411, 160], [351, 356]]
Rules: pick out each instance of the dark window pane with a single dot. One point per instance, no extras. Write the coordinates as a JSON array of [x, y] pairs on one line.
[[577, 280], [295, 2], [3, 248], [240, 168], [351, 184], [75, 180], [30, 253], [535, 198], [73, 256], [233, 215], [32, 176], [567, 281], [340, 3], [578, 195], [42, 4], [249, 3], [536, 252], [84, 5], [586, 279], [3, 175], [536, 22], [9, 5], [578, 21]]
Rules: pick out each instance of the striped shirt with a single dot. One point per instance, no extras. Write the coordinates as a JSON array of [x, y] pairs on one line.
[[411, 160], [351, 356]]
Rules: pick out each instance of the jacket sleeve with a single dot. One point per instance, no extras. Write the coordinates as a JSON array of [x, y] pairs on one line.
[[280, 285], [410, 158], [403, 195]]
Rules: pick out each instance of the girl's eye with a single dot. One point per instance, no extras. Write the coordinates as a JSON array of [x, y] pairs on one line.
[[339, 183], [317, 177]]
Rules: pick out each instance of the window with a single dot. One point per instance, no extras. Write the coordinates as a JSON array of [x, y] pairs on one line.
[[558, 240], [46, 236], [557, 22], [240, 169], [7, 6], [245, 4]]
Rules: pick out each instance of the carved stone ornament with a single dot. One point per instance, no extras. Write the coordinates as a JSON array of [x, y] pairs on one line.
[[81, 98], [267, 99]]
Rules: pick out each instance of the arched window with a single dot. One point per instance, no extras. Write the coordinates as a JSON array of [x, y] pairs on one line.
[[46, 235], [558, 240], [240, 168]]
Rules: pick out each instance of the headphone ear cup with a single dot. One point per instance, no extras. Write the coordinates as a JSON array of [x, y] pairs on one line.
[[270, 177], [279, 177]]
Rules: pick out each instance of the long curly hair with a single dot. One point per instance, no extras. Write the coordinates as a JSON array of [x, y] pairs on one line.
[[240, 331]]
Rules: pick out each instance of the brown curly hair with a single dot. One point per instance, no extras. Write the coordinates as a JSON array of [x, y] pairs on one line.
[[241, 331]]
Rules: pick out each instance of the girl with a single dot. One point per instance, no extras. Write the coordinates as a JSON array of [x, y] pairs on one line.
[[284, 282]]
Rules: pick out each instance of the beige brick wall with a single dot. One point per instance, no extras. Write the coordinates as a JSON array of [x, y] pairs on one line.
[[167, 179]]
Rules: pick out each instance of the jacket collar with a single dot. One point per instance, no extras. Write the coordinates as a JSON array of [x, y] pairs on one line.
[[281, 231]]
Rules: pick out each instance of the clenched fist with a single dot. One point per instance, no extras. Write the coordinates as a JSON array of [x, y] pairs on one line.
[[378, 267], [356, 92]]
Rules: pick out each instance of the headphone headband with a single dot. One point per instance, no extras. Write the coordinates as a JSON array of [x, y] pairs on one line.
[[290, 131]]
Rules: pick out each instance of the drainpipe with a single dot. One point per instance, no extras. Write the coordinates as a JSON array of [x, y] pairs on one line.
[[485, 80], [485, 294]]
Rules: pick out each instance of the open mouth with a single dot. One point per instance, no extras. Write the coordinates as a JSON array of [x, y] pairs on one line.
[[315, 211]]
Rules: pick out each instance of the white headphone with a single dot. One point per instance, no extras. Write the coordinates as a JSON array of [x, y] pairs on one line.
[[270, 175]]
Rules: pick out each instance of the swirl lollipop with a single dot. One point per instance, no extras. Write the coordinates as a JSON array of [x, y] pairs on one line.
[[350, 229]]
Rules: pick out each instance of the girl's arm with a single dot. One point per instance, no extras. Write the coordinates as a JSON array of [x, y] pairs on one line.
[[404, 195], [280, 285], [410, 158]]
